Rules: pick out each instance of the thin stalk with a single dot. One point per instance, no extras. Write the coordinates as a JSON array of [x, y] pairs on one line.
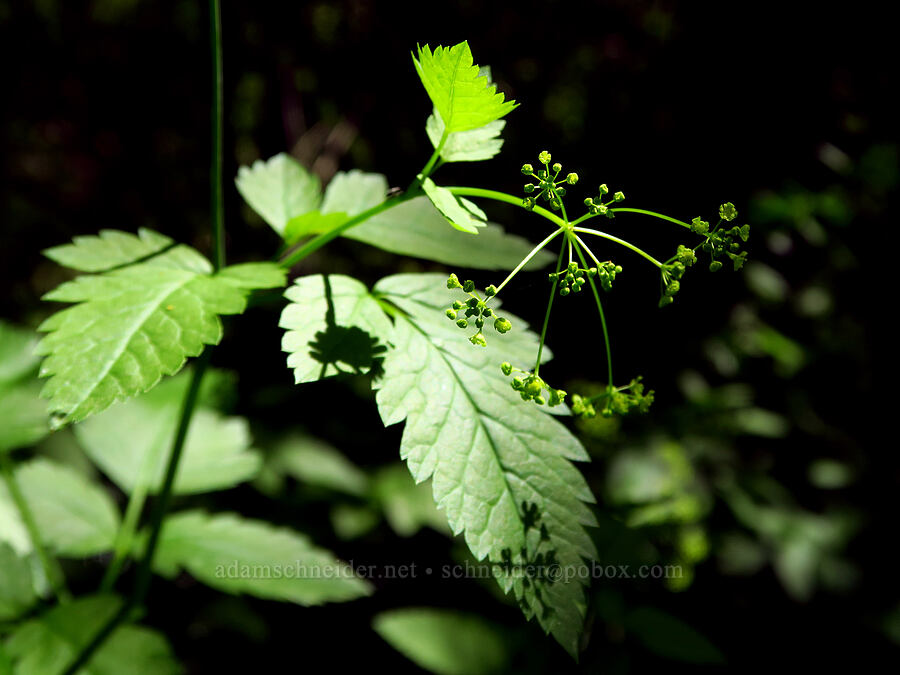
[[161, 505], [537, 364], [128, 528], [653, 214], [48, 565], [429, 167], [508, 199], [600, 311], [621, 242], [528, 258], [160, 508], [217, 200], [318, 242]]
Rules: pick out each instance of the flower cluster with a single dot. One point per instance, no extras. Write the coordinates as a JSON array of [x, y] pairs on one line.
[[596, 206], [574, 277], [547, 188], [720, 241], [475, 309], [531, 387], [615, 400]]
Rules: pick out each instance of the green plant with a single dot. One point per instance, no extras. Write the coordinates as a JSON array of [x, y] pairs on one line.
[[502, 470]]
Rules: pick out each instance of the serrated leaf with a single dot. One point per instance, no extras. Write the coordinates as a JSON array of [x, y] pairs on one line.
[[502, 471], [131, 443], [16, 588], [445, 642], [131, 326], [415, 228], [25, 420], [279, 189], [47, 644], [111, 248], [75, 517], [238, 555], [465, 146], [458, 212], [463, 96], [333, 325]]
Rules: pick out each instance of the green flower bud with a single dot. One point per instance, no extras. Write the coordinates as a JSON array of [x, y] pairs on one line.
[[502, 325], [592, 272], [471, 311], [528, 203], [533, 388], [458, 304], [727, 211], [462, 323], [529, 188], [544, 157], [469, 286], [527, 169], [479, 323], [672, 288], [572, 267], [572, 178], [506, 368], [699, 226], [488, 312], [619, 196], [589, 202], [556, 168], [665, 300], [478, 340], [564, 291], [453, 282], [561, 191], [715, 266], [603, 189], [517, 383], [539, 400], [490, 290], [451, 314]]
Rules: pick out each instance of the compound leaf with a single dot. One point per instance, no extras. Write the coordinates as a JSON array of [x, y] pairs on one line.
[[132, 325], [238, 555], [332, 325], [132, 440], [24, 413], [502, 471], [462, 95], [279, 189], [47, 644], [445, 642]]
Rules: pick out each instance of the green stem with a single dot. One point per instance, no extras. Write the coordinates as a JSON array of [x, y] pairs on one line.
[[217, 200], [48, 565], [508, 199], [319, 241], [161, 506], [651, 213], [125, 536], [537, 365], [429, 167], [600, 310], [621, 242], [528, 258]]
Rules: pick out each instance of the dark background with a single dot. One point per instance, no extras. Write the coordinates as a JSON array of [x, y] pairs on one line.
[[681, 105]]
